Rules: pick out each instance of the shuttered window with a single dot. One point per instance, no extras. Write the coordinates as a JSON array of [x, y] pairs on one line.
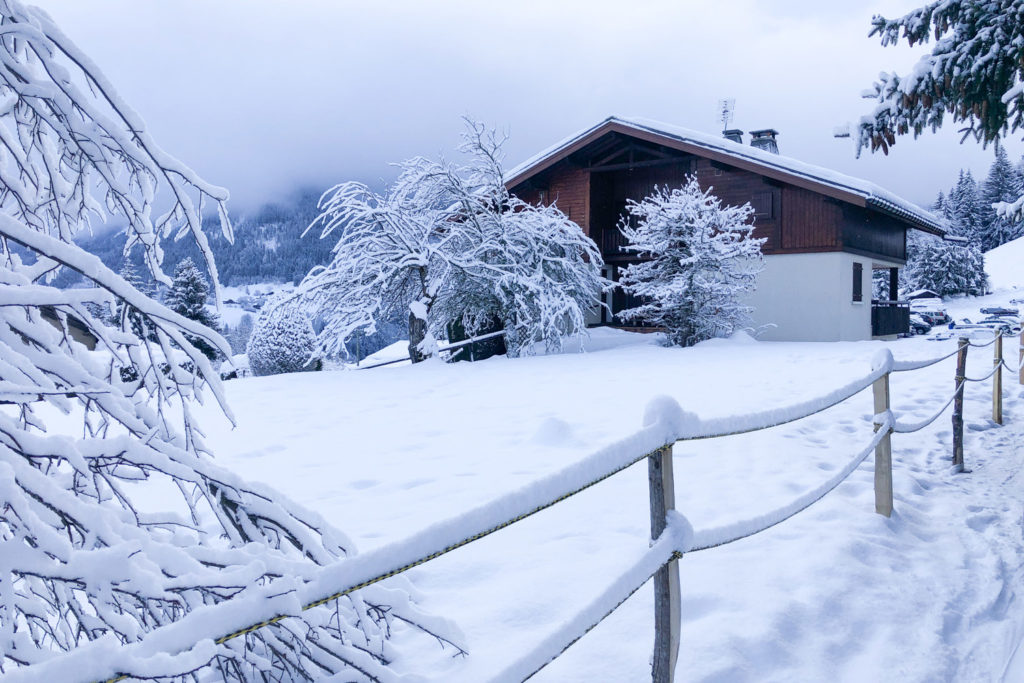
[[858, 281]]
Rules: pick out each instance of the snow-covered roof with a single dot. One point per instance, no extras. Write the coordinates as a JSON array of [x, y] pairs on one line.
[[843, 186]]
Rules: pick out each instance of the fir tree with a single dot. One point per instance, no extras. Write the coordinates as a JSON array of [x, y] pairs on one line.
[[702, 260], [239, 335], [1003, 184], [187, 297], [125, 316], [963, 209]]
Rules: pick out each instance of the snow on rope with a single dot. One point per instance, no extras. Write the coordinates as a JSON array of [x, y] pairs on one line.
[[982, 379], [728, 533], [907, 365], [907, 428], [774, 417], [676, 535], [981, 346]]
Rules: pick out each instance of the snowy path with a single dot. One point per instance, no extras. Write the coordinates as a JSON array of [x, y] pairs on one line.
[[837, 592]]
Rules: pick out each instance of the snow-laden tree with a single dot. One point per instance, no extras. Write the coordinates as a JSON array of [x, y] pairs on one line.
[[944, 267], [963, 209], [124, 315], [448, 242], [700, 260], [529, 266], [974, 73], [1002, 185], [282, 341], [83, 554], [238, 336], [187, 297]]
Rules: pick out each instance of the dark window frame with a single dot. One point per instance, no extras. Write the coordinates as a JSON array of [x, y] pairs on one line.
[[858, 282]]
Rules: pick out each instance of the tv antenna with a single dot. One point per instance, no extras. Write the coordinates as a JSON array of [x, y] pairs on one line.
[[725, 109]]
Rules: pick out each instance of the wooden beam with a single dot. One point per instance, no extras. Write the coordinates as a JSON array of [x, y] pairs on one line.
[[635, 164]]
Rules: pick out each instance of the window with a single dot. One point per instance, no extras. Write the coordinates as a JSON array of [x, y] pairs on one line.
[[763, 205], [858, 281]]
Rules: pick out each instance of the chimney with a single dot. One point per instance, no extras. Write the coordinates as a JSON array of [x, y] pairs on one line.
[[765, 139], [734, 134]]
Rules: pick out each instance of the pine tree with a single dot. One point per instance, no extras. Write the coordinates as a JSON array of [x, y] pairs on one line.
[[702, 260], [187, 297], [1003, 184], [125, 316], [963, 209], [239, 335]]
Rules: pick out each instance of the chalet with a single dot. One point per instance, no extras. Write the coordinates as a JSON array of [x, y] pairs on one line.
[[825, 232]]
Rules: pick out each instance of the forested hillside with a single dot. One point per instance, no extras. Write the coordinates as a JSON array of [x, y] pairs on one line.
[[268, 245]]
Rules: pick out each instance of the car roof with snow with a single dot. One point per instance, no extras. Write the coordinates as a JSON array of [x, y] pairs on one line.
[[846, 188]]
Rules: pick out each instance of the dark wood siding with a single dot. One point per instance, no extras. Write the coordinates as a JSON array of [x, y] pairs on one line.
[[611, 190], [810, 222], [873, 234], [736, 187]]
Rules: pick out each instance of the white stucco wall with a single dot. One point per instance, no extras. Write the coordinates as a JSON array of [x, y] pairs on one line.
[[809, 297]]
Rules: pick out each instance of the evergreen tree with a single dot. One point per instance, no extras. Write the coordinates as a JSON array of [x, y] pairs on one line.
[[963, 209], [125, 316], [187, 297], [944, 267], [1003, 184], [239, 335], [701, 260]]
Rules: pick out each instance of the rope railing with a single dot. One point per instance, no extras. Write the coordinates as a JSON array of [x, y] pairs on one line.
[[906, 366], [729, 533], [664, 424], [580, 624], [911, 427]]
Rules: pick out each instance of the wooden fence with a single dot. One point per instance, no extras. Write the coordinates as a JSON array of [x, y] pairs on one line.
[[670, 534]]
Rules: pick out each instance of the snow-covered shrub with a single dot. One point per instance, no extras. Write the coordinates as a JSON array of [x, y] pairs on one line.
[[282, 341], [86, 562], [701, 260]]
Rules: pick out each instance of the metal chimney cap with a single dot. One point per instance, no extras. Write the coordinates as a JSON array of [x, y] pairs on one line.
[[764, 133]]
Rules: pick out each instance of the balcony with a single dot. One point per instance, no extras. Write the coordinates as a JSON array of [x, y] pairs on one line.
[[889, 318]]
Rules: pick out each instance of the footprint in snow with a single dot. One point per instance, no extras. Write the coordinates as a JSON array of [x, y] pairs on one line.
[[363, 484]]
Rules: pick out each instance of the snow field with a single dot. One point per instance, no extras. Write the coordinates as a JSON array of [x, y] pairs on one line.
[[823, 594]]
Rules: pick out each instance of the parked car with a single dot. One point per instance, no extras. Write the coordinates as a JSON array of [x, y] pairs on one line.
[[934, 318], [1000, 310], [919, 325], [1007, 325]]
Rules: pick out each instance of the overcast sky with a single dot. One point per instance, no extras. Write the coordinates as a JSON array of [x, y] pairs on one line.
[[264, 96]]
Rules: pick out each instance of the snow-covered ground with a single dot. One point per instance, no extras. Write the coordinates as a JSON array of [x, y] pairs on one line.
[[1005, 266], [835, 593]]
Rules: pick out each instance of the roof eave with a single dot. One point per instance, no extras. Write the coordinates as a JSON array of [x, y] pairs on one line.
[[895, 211]]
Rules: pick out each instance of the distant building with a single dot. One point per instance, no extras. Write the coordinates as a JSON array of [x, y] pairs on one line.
[[825, 232]]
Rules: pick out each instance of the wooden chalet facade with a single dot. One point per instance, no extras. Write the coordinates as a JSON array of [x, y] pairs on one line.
[[824, 232]]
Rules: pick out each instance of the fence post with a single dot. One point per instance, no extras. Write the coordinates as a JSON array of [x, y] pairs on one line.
[[666, 581], [1020, 358], [883, 451], [958, 405], [997, 380]]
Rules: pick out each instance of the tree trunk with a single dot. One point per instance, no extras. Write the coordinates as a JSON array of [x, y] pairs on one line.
[[417, 333]]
